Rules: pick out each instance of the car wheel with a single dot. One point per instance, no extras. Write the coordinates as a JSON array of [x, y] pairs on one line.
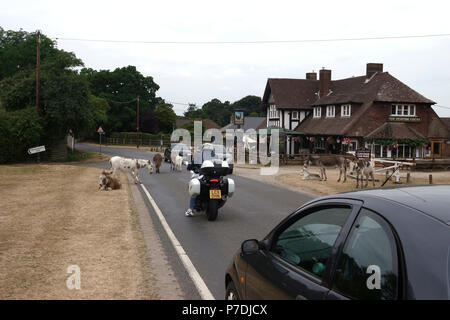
[[231, 293]]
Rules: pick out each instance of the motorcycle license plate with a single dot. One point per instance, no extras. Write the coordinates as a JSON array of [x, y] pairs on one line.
[[215, 194]]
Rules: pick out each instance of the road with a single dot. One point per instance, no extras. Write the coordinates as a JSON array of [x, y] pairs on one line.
[[252, 212]]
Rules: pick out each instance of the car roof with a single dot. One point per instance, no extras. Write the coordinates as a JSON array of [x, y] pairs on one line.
[[433, 200]]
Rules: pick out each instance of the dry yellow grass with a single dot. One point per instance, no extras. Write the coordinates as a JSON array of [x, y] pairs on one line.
[[53, 216], [290, 177]]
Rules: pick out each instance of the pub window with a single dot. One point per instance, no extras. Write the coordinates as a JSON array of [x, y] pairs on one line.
[[294, 114], [317, 112], [330, 111], [408, 110], [346, 110]]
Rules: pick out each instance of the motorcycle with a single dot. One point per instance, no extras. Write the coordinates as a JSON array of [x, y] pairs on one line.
[[210, 186]]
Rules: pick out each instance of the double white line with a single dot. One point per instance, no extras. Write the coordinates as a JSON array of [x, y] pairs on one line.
[[187, 263]]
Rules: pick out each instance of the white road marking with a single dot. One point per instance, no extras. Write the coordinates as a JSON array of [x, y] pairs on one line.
[[193, 273]]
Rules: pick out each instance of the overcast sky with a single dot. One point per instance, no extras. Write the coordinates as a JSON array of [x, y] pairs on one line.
[[198, 73]]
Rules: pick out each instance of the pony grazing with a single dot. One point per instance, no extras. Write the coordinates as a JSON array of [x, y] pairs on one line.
[[329, 160]]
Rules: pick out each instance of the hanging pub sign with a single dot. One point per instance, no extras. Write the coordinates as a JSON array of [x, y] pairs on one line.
[[363, 153], [238, 117]]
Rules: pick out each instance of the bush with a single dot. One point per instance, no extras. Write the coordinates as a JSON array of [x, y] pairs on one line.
[[19, 130], [142, 135]]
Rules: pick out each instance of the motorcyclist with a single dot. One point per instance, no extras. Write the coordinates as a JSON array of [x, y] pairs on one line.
[[207, 153]]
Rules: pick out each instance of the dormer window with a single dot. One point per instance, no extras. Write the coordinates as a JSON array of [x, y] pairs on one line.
[[346, 110], [330, 111], [317, 112], [406, 110]]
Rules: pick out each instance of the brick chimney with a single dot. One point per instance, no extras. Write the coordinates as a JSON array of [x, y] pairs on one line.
[[325, 81], [372, 68], [311, 76]]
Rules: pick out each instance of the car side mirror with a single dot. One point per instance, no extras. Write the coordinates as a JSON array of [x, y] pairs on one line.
[[250, 246]]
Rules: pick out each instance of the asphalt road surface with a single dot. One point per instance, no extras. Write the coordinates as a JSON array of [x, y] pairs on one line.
[[252, 212]]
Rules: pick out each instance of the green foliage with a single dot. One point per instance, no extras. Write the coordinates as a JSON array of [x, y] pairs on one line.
[[19, 130], [220, 112], [166, 117], [155, 138], [120, 88]]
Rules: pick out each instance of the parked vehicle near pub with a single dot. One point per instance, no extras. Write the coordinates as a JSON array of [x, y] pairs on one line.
[[389, 243]]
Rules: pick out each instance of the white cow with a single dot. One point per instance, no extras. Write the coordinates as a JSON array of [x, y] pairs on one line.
[[130, 165]]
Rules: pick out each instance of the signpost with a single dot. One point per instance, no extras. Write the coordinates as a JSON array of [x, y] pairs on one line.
[[100, 132], [363, 153], [36, 150]]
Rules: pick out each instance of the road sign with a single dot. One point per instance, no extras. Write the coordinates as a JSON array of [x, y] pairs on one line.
[[100, 130], [36, 150]]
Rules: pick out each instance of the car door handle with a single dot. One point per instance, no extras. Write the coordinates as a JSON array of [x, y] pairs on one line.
[[300, 297]]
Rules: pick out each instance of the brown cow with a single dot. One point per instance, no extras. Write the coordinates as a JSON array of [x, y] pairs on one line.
[[157, 160], [108, 182]]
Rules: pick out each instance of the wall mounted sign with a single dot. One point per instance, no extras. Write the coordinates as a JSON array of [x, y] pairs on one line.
[[404, 119]]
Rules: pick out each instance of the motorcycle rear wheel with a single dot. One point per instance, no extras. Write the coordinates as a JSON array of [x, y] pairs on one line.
[[213, 209]]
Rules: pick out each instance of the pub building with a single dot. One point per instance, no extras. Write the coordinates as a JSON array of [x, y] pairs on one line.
[[375, 111]]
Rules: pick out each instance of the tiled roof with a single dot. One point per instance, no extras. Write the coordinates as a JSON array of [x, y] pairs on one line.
[[389, 130], [249, 123], [292, 93], [302, 93]]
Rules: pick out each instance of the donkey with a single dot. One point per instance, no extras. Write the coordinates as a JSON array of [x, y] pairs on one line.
[[364, 168], [309, 176], [329, 160]]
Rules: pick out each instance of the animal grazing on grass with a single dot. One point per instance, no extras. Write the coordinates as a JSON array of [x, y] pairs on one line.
[[157, 160], [108, 182], [329, 160], [310, 176], [130, 165]]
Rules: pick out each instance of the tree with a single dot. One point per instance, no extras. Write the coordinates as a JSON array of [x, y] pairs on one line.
[[120, 88], [194, 112], [166, 117], [218, 111], [250, 105]]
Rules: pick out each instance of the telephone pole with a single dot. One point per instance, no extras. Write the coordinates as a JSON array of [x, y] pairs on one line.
[[38, 69], [137, 122]]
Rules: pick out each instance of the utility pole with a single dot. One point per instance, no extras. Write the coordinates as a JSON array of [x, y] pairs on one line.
[[137, 121], [38, 69]]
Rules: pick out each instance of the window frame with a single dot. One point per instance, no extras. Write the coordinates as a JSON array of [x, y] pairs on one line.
[[331, 111], [343, 113], [303, 211], [398, 259], [400, 109], [317, 112], [292, 115]]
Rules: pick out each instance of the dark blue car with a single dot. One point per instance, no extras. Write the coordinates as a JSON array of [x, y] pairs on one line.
[[389, 244]]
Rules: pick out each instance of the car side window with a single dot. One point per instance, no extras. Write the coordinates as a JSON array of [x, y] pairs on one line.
[[367, 268], [308, 242]]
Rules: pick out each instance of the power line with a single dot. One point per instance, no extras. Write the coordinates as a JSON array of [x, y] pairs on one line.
[[436, 105], [258, 41]]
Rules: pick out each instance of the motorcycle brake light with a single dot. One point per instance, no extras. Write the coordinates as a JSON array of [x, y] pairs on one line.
[[214, 180]]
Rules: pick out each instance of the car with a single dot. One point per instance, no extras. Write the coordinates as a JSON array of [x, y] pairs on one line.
[[386, 243]]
